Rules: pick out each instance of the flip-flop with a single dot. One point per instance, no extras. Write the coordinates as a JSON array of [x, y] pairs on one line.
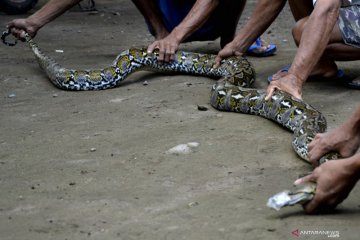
[[284, 69], [339, 74], [353, 83], [253, 49]]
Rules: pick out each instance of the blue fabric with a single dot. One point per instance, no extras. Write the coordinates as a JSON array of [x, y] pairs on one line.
[[174, 11]]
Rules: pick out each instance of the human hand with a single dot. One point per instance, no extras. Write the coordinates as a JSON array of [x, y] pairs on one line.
[[228, 51], [343, 140], [167, 47], [21, 26], [334, 181], [286, 82]]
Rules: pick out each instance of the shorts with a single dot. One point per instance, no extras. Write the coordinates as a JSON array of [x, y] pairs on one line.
[[349, 24], [174, 11]]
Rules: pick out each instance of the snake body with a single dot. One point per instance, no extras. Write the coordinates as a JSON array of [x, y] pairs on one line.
[[228, 94], [235, 70]]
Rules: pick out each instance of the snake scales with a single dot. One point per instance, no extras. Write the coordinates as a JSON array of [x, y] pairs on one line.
[[228, 94]]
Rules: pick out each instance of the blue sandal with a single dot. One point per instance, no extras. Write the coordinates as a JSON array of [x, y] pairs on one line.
[[284, 69], [254, 50]]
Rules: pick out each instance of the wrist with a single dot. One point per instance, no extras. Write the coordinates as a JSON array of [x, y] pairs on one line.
[[353, 166], [355, 123], [239, 45], [34, 24], [179, 34], [297, 80], [352, 126]]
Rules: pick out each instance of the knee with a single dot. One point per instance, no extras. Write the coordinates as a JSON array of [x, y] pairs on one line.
[[298, 30]]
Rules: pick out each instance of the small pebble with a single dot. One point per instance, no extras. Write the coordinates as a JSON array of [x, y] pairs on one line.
[[183, 148], [59, 50], [11, 95], [179, 149], [92, 149], [193, 144], [202, 108], [193, 204], [145, 83], [55, 95]]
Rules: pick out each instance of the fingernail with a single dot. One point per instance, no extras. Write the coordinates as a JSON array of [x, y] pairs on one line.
[[298, 181]]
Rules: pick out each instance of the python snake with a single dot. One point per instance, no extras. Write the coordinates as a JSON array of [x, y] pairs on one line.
[[230, 93]]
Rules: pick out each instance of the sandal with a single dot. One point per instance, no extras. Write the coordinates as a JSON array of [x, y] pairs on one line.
[[257, 49]]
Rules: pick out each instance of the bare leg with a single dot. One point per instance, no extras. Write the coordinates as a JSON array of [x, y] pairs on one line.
[[231, 11], [343, 52], [150, 10], [301, 9], [336, 50]]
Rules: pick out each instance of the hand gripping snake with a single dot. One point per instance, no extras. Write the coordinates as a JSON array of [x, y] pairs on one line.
[[230, 93]]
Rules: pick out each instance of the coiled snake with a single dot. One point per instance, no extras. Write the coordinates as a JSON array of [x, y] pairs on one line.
[[228, 94]]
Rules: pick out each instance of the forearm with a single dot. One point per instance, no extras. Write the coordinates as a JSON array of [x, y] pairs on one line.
[[50, 11], [353, 166], [264, 14], [315, 38], [198, 15], [353, 123]]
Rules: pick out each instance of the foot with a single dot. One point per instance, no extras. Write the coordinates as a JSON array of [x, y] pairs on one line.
[[317, 74], [325, 69], [261, 48]]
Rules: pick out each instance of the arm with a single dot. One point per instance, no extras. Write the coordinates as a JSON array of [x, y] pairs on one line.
[[264, 14], [197, 16], [314, 40], [46, 14], [344, 139], [334, 181]]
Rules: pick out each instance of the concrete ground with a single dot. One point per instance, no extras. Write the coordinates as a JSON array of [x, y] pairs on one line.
[[94, 165]]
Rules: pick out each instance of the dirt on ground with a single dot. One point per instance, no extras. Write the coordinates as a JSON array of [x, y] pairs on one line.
[[95, 165]]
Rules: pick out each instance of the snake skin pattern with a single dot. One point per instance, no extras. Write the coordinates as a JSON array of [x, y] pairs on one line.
[[228, 94], [235, 70]]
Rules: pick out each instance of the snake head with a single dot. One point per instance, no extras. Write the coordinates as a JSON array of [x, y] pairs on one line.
[[6, 33]]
